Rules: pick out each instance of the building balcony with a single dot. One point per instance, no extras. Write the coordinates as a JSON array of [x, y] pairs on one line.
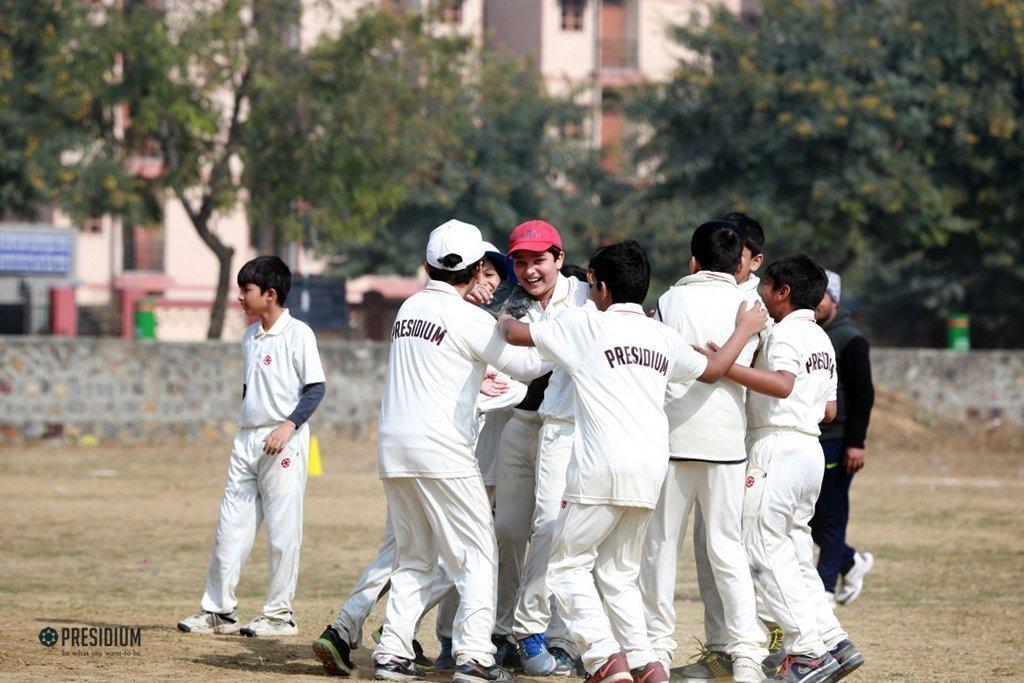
[[618, 54]]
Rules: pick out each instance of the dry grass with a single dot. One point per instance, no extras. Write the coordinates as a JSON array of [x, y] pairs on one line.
[[120, 536]]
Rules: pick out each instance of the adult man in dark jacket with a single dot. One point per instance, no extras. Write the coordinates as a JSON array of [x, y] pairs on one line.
[[842, 440]]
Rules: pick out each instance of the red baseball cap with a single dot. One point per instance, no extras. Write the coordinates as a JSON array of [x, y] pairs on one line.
[[535, 235]]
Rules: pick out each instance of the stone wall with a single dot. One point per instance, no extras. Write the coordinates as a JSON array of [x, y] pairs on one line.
[[983, 385], [132, 391], [90, 389]]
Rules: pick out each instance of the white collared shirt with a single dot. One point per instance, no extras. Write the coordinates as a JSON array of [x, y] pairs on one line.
[[619, 363], [440, 348], [569, 294], [706, 421], [278, 363], [797, 345]]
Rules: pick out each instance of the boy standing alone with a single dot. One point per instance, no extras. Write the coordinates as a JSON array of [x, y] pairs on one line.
[[282, 384]]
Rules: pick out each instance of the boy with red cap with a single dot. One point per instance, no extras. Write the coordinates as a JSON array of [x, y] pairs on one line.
[[533, 457]]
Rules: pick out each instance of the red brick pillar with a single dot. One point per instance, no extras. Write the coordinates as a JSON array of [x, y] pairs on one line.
[[63, 312]]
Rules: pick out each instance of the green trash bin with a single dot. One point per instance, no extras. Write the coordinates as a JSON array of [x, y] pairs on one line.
[[958, 333], [145, 319]]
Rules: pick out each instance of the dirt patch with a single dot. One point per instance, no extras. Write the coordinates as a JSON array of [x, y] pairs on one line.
[[120, 536]]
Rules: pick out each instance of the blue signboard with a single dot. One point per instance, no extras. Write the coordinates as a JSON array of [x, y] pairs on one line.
[[37, 251]]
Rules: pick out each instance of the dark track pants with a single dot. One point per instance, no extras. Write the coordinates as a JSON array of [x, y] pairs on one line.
[[828, 526]]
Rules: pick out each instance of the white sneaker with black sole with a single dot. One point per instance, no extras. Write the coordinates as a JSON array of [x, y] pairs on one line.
[[263, 626], [210, 622], [853, 580]]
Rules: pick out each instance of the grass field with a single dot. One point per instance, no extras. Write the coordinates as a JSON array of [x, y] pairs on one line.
[[120, 536]]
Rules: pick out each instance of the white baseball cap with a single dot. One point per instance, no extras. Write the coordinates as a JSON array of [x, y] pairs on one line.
[[834, 286], [458, 239]]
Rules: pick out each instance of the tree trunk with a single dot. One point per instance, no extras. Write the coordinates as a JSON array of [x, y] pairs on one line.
[[220, 301]]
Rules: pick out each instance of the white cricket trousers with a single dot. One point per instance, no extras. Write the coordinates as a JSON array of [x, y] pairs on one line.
[[259, 487], [450, 518], [513, 509], [533, 607], [373, 583], [596, 553], [717, 488], [783, 481]]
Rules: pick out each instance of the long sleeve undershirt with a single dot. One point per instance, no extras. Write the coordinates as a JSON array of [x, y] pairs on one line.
[[309, 399], [858, 391]]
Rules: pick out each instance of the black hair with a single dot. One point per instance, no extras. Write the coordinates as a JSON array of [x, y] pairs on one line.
[[454, 277], [623, 268], [717, 246], [267, 272], [554, 251], [500, 264], [805, 277], [751, 230], [572, 270]]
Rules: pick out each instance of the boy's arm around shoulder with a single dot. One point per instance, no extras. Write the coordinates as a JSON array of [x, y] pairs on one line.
[[750, 319]]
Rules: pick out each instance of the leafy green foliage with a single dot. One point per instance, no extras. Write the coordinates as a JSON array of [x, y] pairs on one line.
[[884, 138]]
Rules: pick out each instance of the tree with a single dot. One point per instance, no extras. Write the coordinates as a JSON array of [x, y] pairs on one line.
[[880, 137], [443, 127]]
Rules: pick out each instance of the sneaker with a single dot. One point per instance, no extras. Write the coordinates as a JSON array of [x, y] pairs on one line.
[[210, 622], [392, 668], [773, 662], [615, 670], [507, 655], [853, 580], [421, 659], [830, 598], [706, 665], [565, 663], [264, 626], [746, 670], [807, 669], [537, 661], [474, 672], [848, 656], [445, 660], [334, 653], [654, 672]]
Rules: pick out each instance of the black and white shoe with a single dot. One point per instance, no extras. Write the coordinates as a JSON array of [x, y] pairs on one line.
[[392, 668], [474, 672], [334, 653], [210, 622]]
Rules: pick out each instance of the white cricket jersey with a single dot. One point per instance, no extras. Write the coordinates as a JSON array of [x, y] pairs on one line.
[[440, 348], [706, 421], [278, 363], [797, 345], [620, 362], [569, 294]]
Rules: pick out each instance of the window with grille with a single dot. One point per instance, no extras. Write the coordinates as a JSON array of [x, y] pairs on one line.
[[572, 14], [451, 11]]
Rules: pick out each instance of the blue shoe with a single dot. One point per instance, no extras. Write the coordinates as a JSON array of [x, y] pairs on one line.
[[445, 660], [537, 661]]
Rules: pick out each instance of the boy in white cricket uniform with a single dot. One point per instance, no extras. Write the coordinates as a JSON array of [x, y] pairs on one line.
[[533, 456], [620, 362], [793, 388], [707, 426], [282, 384], [440, 348]]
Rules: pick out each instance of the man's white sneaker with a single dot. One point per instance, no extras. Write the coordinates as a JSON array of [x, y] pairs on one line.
[[264, 626], [746, 670], [210, 622], [853, 580]]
